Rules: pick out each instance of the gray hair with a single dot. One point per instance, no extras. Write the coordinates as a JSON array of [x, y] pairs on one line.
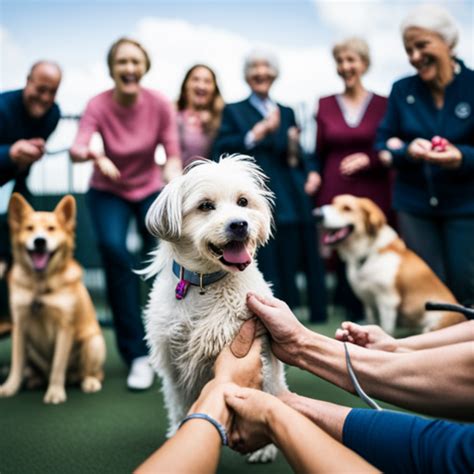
[[356, 45], [258, 55], [435, 19]]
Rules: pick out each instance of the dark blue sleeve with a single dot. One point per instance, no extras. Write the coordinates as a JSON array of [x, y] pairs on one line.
[[401, 443], [390, 127], [230, 138], [8, 169]]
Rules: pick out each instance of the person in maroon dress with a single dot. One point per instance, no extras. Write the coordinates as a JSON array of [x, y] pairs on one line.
[[345, 157]]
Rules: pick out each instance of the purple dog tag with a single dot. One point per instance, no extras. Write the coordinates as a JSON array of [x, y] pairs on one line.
[[181, 289]]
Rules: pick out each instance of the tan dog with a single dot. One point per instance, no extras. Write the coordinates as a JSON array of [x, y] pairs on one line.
[[55, 330], [389, 279]]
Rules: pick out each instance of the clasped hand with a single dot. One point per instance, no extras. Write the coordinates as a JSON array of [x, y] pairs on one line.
[[234, 396]]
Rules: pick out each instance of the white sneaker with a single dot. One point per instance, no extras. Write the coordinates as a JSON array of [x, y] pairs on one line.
[[141, 375]]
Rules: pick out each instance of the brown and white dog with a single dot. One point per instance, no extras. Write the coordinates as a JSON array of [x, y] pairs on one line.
[[391, 281], [55, 330]]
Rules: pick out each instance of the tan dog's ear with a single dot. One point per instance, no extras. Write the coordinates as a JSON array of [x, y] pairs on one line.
[[66, 212], [374, 217], [18, 208], [164, 218]]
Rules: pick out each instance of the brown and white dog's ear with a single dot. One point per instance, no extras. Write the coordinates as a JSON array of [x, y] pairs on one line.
[[165, 216], [374, 217], [66, 212], [18, 208]]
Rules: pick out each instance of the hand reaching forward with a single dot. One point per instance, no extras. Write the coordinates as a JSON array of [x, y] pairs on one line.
[[286, 332]]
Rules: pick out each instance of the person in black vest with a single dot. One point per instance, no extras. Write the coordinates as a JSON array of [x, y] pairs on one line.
[[260, 127]]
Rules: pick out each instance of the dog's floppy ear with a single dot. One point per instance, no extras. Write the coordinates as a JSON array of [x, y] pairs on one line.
[[66, 212], [18, 208], [164, 218], [374, 217]]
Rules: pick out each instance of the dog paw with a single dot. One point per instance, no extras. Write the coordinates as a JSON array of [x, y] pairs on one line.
[[91, 385], [8, 389], [55, 395], [266, 454]]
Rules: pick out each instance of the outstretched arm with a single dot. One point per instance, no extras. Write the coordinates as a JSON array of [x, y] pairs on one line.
[[438, 381], [374, 337], [261, 418]]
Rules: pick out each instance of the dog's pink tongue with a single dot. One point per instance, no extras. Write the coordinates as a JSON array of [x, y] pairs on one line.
[[40, 260], [236, 252]]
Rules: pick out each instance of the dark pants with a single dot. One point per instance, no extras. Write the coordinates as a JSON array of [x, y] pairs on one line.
[[111, 216], [294, 249], [446, 244]]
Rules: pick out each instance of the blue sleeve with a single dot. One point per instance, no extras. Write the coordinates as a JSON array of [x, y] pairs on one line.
[[401, 443], [467, 163], [230, 139], [8, 169], [390, 127]]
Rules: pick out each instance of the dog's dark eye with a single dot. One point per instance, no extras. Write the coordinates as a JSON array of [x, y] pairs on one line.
[[206, 206], [29, 228], [51, 228], [346, 208], [242, 202]]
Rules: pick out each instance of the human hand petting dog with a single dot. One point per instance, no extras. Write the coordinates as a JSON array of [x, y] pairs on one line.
[[238, 364], [287, 333]]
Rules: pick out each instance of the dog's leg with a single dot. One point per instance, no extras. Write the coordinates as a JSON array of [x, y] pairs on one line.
[[13, 382], [370, 314], [92, 360], [388, 317], [56, 392], [273, 373], [175, 405]]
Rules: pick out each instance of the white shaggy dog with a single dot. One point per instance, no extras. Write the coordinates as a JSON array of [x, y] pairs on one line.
[[211, 221]]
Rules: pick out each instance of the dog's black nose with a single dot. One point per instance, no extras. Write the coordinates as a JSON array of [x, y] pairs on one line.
[[238, 229], [40, 244], [318, 214]]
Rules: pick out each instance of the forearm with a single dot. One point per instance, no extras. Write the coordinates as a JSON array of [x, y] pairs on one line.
[[326, 415], [180, 453], [323, 357], [437, 381], [441, 376], [308, 449], [463, 332]]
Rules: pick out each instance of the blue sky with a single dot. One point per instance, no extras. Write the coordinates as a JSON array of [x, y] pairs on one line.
[[180, 33]]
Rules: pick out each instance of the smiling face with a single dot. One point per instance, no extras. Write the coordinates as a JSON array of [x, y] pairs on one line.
[[260, 78], [428, 53], [128, 67], [40, 90], [216, 215], [349, 218], [200, 88], [350, 67], [41, 240]]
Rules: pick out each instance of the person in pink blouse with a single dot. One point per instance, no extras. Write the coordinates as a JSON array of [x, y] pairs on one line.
[[200, 107], [132, 121], [346, 161]]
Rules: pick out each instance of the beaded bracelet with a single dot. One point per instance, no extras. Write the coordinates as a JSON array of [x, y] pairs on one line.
[[203, 416]]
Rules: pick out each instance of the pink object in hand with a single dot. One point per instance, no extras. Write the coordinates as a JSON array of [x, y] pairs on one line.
[[439, 143]]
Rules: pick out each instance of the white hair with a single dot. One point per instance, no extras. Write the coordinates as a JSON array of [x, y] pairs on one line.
[[260, 55], [435, 19]]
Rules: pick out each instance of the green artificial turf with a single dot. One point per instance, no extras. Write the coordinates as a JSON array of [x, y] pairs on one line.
[[114, 430]]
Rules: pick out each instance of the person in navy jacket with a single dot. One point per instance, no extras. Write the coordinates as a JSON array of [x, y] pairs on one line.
[[28, 117], [260, 127], [434, 189]]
